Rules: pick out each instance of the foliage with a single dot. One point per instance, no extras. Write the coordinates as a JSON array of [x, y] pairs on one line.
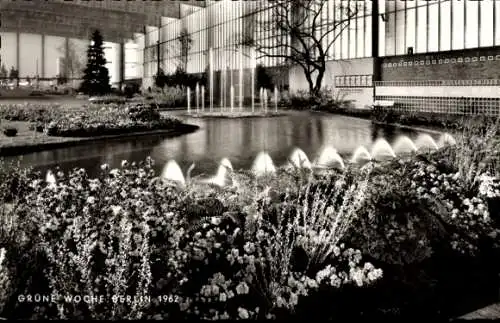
[[109, 120], [127, 232], [160, 79], [73, 62], [264, 80], [10, 131], [185, 43], [260, 247], [13, 74], [300, 41], [183, 79], [96, 74], [29, 112], [3, 72]]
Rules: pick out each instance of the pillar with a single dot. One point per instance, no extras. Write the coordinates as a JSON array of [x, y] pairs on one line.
[[42, 70], [375, 48], [18, 60], [66, 51], [121, 77]]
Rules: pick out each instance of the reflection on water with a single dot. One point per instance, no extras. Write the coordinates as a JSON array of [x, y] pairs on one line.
[[240, 140]]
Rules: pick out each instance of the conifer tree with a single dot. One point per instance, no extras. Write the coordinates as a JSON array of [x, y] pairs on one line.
[[96, 74]]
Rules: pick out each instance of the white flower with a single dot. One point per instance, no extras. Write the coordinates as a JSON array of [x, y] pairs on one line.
[[91, 200], [243, 313], [242, 288], [116, 209], [124, 163], [104, 167], [2, 256], [249, 247], [215, 220]]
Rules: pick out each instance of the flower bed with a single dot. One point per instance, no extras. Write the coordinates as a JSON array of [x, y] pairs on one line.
[[109, 120], [398, 239], [30, 112]]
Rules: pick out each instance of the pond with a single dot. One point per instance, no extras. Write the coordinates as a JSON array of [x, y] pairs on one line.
[[239, 140]]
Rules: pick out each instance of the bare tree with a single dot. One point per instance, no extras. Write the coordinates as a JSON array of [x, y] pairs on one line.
[[185, 43], [303, 34], [74, 60]]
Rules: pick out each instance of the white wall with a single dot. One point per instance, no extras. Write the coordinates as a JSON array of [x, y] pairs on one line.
[[8, 50], [363, 66], [440, 91]]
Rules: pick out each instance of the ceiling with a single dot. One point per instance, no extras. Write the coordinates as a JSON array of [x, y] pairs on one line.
[[117, 20]]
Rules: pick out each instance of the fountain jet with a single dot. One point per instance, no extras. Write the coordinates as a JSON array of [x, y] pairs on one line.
[[381, 148], [329, 158], [446, 140], [299, 159], [361, 154], [404, 145], [188, 90], [263, 165], [173, 172], [425, 141], [222, 177], [50, 179]]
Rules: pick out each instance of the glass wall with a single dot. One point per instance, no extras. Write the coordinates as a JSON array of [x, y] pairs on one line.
[[440, 25]]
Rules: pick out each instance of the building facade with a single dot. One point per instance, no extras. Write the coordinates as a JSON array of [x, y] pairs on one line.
[[420, 52]]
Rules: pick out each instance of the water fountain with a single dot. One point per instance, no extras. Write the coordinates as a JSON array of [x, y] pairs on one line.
[[240, 79], [197, 95], [222, 85], [222, 177], [188, 90], [275, 99], [446, 139], [211, 78], [231, 98], [299, 159], [329, 158], [382, 149], [50, 179], [425, 142], [361, 154], [264, 98], [263, 165], [202, 98], [404, 145], [252, 77], [261, 99], [173, 172]]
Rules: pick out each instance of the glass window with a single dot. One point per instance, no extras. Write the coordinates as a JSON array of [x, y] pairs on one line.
[[457, 11], [433, 26], [421, 26], [486, 21], [445, 28], [472, 24]]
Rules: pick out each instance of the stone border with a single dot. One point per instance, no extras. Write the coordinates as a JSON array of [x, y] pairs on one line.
[[25, 149]]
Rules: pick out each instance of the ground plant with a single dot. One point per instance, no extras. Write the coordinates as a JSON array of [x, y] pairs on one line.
[[130, 244]]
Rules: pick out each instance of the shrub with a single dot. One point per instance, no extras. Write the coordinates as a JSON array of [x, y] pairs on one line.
[[10, 132]]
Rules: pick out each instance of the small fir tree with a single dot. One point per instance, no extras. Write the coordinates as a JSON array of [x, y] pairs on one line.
[[96, 74]]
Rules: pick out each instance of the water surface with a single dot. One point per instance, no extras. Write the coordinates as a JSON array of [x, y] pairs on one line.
[[240, 140]]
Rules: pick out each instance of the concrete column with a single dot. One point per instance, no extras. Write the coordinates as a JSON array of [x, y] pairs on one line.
[[18, 59], [121, 77], [66, 51], [42, 73], [145, 72]]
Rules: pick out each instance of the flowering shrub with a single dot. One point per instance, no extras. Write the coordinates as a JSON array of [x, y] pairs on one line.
[[128, 232], [267, 247], [109, 119], [414, 206], [29, 112]]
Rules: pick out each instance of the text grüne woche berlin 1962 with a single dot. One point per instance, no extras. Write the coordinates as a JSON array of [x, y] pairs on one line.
[[96, 299]]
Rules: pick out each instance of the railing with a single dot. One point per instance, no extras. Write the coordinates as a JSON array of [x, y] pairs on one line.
[[444, 105], [485, 82]]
